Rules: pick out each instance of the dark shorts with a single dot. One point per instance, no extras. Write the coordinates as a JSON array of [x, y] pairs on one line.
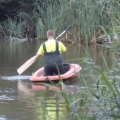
[[52, 69]]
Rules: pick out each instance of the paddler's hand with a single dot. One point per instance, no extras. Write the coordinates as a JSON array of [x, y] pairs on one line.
[[38, 55]]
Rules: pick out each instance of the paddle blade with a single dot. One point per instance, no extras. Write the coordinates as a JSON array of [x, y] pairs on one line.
[[27, 64]]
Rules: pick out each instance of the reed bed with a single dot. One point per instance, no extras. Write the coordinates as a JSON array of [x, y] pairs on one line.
[[97, 99], [93, 21]]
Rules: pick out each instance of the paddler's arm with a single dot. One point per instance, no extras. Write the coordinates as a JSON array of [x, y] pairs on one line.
[[62, 47], [40, 52], [65, 50]]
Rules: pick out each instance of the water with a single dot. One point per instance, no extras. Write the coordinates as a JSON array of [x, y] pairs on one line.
[[17, 100]]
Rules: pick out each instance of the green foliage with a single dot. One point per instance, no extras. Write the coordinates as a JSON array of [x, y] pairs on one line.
[[97, 101], [34, 18]]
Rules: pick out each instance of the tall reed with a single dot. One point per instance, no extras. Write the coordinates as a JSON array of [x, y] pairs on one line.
[[90, 19], [98, 99]]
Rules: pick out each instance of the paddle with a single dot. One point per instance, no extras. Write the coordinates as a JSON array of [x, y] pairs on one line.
[[28, 63]]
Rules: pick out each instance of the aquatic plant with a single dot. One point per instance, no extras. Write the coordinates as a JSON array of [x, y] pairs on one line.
[[99, 96]]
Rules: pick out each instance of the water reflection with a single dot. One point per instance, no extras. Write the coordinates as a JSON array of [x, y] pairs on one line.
[[52, 110], [55, 88], [47, 107], [12, 106]]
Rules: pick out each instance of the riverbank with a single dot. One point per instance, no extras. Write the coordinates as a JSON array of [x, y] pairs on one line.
[[94, 22]]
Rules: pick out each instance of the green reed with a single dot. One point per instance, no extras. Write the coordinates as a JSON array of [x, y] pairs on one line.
[[99, 96], [87, 17]]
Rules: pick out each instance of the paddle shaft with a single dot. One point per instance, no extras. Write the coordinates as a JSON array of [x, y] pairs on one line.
[[29, 62], [63, 32]]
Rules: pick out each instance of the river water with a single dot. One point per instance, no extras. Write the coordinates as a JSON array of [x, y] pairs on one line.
[[17, 100]]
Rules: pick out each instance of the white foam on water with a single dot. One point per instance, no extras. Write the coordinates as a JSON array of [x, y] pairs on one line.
[[16, 77]]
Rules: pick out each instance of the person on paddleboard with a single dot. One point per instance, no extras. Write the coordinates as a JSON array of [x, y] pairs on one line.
[[52, 49]]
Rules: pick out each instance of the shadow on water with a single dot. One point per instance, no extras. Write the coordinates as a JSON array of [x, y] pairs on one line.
[[17, 100]]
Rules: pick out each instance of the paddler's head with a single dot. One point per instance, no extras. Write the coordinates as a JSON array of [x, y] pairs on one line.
[[50, 34]]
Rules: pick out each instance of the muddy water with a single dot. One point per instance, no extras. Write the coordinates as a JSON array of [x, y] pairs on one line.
[[17, 101]]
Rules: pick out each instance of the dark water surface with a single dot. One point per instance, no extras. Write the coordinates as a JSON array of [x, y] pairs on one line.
[[17, 101]]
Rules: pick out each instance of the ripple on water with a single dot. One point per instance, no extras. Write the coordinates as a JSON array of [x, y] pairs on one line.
[[5, 97]]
